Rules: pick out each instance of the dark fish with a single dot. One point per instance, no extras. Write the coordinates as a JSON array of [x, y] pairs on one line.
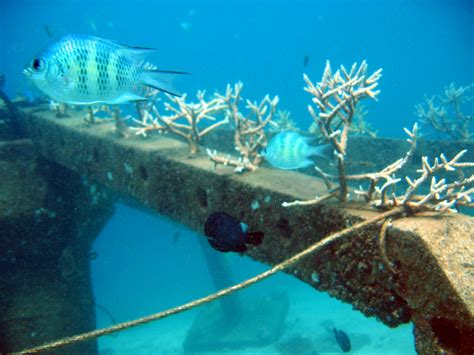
[[226, 233], [176, 237], [48, 31], [305, 61], [343, 340]]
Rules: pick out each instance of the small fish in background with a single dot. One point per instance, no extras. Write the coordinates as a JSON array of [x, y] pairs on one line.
[[290, 150], [176, 237], [342, 340], [48, 31], [226, 233], [88, 70], [305, 61], [92, 24]]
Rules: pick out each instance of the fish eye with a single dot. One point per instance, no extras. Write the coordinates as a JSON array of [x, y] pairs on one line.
[[38, 64]]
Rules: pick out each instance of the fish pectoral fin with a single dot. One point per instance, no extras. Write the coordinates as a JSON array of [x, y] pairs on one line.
[[127, 97], [161, 80]]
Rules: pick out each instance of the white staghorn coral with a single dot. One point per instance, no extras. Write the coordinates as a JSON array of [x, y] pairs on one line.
[[336, 97]]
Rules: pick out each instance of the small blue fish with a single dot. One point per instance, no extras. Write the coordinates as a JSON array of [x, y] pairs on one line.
[[290, 150], [226, 233], [86, 70]]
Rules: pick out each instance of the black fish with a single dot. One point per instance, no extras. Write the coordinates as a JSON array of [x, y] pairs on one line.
[[226, 233], [343, 340]]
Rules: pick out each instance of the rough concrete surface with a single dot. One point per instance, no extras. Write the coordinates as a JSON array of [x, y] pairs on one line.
[[431, 281]]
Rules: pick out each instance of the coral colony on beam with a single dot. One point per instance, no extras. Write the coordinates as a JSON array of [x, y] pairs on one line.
[[161, 175], [336, 97], [249, 130], [336, 114], [444, 115]]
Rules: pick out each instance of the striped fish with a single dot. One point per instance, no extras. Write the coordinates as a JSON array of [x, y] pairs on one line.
[[86, 70], [290, 150]]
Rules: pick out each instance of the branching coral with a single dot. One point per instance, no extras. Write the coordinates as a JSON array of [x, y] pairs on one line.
[[284, 122], [360, 127], [336, 97], [249, 130], [387, 174], [186, 118], [189, 120], [442, 195], [447, 117]]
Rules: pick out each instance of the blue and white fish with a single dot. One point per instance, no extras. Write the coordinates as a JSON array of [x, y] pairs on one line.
[[86, 70], [290, 150]]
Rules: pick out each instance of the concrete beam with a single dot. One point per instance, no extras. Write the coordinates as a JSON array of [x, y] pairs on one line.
[[432, 254]]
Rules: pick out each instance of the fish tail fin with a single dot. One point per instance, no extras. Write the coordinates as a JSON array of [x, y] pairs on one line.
[[255, 238], [161, 80], [324, 151]]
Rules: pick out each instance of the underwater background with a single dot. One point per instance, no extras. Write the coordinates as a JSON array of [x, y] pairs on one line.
[[148, 263]]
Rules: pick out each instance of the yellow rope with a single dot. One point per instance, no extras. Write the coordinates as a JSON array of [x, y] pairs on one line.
[[279, 267]]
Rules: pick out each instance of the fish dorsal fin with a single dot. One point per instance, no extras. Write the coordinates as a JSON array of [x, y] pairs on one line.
[[136, 52], [133, 51]]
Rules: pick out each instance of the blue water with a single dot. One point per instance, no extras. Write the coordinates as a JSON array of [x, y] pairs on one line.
[[143, 267], [422, 46]]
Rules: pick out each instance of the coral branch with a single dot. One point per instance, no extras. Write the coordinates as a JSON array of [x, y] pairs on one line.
[[336, 96], [447, 117], [186, 119], [388, 171], [239, 163], [193, 115], [249, 130]]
